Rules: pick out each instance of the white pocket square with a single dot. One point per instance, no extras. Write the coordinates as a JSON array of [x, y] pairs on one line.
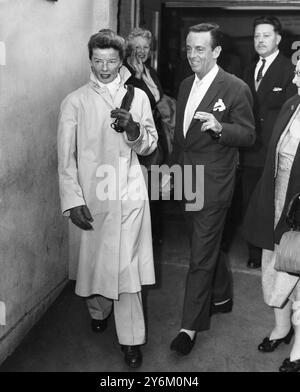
[[277, 89], [219, 105]]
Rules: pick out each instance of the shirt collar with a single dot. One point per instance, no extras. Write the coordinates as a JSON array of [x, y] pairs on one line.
[[269, 59], [209, 77]]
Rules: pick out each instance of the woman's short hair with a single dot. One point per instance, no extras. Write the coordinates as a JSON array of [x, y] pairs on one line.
[[267, 19], [106, 39], [213, 28], [139, 32]]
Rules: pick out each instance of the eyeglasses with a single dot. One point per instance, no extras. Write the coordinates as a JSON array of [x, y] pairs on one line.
[[297, 73]]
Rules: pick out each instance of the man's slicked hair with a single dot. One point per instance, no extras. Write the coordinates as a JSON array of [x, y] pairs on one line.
[[267, 19], [213, 28]]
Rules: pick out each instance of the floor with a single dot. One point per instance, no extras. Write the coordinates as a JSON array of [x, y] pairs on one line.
[[63, 342]]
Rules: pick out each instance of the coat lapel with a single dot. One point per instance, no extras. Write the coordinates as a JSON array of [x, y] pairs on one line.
[[104, 92], [282, 121]]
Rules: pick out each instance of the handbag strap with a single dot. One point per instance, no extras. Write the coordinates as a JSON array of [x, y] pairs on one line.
[[126, 104], [128, 97]]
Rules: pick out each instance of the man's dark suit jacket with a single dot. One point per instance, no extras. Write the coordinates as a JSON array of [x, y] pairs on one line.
[[274, 89], [219, 156]]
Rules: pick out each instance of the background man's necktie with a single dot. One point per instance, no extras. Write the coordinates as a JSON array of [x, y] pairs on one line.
[[260, 71]]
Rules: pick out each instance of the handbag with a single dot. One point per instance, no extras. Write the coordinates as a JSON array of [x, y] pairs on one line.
[[288, 251]]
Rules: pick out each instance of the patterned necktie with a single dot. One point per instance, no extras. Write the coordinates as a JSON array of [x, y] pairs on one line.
[[259, 74]]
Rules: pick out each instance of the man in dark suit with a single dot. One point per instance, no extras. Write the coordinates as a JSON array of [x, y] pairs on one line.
[[270, 80], [214, 117]]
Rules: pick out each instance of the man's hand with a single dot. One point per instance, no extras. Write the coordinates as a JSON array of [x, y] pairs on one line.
[[209, 122], [126, 122], [81, 217]]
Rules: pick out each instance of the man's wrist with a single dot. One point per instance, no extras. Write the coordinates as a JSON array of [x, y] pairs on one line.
[[218, 133], [215, 134]]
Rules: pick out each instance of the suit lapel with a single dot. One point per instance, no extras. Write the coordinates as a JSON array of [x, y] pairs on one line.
[[272, 74], [181, 105], [212, 92]]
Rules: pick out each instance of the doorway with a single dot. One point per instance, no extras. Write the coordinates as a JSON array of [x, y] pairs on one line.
[[236, 25]]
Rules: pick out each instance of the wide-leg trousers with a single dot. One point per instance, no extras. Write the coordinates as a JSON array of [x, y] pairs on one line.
[[128, 313], [209, 276]]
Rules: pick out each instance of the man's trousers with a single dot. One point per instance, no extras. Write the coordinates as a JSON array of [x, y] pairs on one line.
[[209, 277]]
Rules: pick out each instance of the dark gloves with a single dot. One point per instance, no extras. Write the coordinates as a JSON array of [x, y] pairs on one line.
[[81, 217], [125, 121]]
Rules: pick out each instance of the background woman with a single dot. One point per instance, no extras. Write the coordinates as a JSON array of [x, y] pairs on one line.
[[145, 77], [265, 224]]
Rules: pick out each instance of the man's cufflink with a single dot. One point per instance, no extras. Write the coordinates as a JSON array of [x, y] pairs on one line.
[[214, 134]]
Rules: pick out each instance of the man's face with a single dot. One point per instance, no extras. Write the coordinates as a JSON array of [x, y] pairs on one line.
[[296, 79], [200, 54], [266, 40], [105, 64]]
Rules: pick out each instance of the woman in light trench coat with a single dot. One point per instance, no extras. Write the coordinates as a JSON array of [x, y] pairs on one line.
[[102, 189]]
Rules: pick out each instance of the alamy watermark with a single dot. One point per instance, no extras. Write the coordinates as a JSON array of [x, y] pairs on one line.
[[296, 55], [138, 183]]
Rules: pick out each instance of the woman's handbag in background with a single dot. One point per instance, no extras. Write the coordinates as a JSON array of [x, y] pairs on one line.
[[288, 252]]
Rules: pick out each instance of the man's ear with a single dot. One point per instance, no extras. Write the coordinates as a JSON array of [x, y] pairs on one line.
[[217, 51], [278, 39]]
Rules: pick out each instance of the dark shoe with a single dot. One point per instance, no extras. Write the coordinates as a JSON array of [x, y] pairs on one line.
[[182, 344], [268, 346], [290, 366], [99, 325], [226, 307], [132, 356], [254, 263]]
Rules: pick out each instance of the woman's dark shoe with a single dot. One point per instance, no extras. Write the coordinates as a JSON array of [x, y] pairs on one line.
[[99, 325], [182, 344], [268, 346], [132, 356], [290, 366]]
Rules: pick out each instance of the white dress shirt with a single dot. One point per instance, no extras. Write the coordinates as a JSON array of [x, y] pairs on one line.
[[269, 61], [197, 93]]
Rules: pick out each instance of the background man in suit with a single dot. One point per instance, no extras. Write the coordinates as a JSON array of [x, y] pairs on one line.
[[270, 80], [214, 117]]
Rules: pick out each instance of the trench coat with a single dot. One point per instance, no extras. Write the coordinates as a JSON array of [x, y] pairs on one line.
[[99, 167]]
